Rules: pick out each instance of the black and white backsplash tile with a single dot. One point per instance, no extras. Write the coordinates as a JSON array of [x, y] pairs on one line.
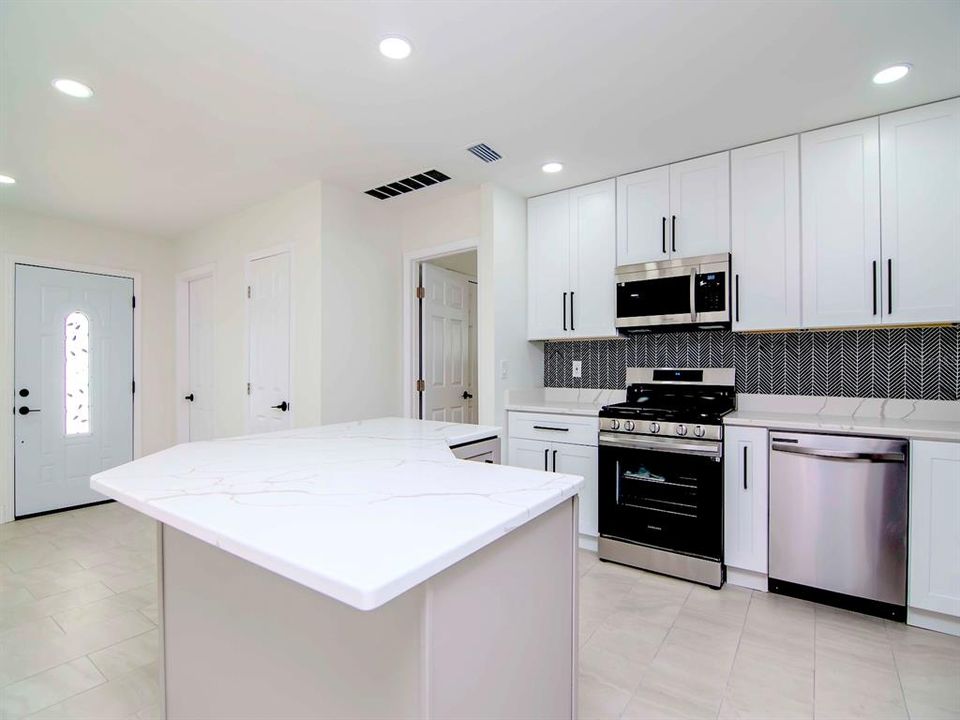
[[913, 363]]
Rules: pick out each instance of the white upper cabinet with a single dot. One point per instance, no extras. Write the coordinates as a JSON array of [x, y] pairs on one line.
[[765, 207], [571, 261], [643, 212], [548, 265], [920, 215], [593, 289], [840, 211], [699, 222]]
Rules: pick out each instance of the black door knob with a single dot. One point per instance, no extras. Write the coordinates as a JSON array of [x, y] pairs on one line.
[[467, 396], [282, 407], [26, 411], [188, 397]]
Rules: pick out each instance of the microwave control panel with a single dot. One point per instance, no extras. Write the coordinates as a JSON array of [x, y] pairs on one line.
[[711, 292]]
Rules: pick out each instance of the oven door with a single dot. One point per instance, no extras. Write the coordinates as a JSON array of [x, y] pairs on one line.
[[662, 492]]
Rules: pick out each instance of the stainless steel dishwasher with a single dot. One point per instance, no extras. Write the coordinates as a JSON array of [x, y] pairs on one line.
[[838, 521]]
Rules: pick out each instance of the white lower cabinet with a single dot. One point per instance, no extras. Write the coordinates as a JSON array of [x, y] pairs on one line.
[[933, 585], [561, 457], [745, 499]]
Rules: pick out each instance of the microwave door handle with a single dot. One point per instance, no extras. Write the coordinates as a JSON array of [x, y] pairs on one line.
[[693, 294]]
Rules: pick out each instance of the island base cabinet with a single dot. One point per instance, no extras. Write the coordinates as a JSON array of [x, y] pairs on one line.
[[933, 585], [493, 636]]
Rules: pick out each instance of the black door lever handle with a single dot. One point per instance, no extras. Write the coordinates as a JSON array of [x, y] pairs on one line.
[[24, 410], [282, 407], [188, 397], [467, 395]]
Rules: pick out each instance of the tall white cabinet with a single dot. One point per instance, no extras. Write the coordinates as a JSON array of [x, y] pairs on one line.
[[745, 502], [765, 242], [841, 224], [571, 260], [933, 587], [920, 213], [676, 211]]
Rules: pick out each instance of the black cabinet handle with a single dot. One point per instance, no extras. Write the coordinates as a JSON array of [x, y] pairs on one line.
[[663, 234], [874, 287], [546, 455], [571, 311], [564, 311], [546, 427], [744, 467], [889, 286], [673, 233], [736, 279], [554, 460], [188, 397], [24, 410], [282, 407]]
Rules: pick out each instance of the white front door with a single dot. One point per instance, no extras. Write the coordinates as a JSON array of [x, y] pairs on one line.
[[445, 345], [73, 375], [200, 358], [269, 338]]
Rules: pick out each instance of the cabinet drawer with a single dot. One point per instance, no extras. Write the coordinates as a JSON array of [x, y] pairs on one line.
[[574, 429]]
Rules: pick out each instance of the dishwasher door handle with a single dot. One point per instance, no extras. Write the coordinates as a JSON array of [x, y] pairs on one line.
[[893, 457]]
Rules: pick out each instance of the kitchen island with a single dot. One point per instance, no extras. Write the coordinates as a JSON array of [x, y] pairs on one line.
[[357, 571]]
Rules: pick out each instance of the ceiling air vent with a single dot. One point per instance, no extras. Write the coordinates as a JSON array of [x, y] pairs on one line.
[[484, 152], [414, 182]]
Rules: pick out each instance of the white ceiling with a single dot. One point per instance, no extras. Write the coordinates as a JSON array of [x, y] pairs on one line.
[[202, 108]]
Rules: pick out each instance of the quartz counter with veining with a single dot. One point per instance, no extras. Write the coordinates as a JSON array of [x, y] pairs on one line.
[[360, 511]]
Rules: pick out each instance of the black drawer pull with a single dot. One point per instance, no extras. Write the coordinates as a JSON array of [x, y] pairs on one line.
[[544, 427]]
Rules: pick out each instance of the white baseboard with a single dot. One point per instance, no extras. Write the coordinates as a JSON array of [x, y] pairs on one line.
[[933, 621], [588, 542], [747, 578]]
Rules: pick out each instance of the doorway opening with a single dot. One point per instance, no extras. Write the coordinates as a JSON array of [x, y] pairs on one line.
[[444, 379]]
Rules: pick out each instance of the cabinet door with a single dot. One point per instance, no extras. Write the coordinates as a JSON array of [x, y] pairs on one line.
[[548, 265], [593, 289], [699, 221], [643, 213], [920, 213], [840, 213], [580, 460], [531, 454], [745, 495], [934, 542], [765, 206]]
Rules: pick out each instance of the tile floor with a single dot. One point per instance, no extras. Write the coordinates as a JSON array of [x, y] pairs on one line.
[[78, 639]]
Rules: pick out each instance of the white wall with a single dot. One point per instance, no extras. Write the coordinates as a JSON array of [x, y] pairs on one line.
[[447, 219], [361, 310], [292, 219], [58, 241]]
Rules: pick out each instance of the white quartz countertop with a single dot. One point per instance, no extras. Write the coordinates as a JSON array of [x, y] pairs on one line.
[[910, 419], [562, 401], [361, 511]]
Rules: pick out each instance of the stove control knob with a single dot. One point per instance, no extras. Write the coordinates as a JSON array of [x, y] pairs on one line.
[[681, 429], [654, 428], [629, 426], [699, 431], [614, 424]]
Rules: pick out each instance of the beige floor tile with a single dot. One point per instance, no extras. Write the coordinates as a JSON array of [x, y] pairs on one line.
[[629, 638], [129, 581], [128, 655], [597, 700], [652, 701], [48, 687], [611, 668], [115, 699], [30, 611]]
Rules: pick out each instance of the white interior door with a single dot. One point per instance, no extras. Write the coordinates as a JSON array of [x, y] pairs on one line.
[[269, 343], [200, 358], [73, 374], [445, 345]]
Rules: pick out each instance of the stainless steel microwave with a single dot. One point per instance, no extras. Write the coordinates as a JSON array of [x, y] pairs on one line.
[[688, 293]]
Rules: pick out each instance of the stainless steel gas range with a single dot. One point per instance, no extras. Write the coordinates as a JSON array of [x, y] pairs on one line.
[[661, 472]]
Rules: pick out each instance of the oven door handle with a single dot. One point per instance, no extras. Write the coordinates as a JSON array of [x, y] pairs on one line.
[[666, 445]]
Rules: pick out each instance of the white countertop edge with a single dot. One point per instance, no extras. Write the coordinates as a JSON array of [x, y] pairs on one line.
[[847, 425], [366, 599], [555, 409]]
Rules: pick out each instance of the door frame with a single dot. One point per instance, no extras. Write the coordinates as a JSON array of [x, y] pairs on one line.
[[411, 261], [182, 346], [10, 262], [249, 259]]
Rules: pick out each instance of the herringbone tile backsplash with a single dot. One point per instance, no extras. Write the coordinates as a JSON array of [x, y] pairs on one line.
[[915, 363]]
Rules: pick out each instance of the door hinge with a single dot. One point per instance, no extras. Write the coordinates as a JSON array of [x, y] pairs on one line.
[[249, 295], [133, 302], [421, 293], [133, 386], [248, 388], [421, 386]]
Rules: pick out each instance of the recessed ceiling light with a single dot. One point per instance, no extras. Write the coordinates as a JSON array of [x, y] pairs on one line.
[[7, 180], [552, 167], [72, 88], [395, 47], [891, 74]]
